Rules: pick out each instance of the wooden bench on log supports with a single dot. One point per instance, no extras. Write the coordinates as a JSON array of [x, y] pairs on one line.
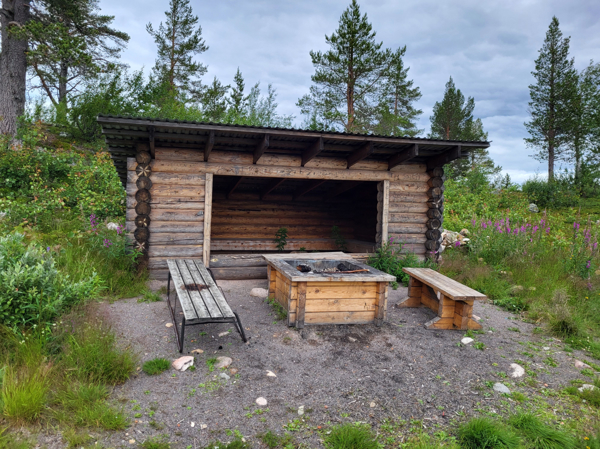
[[199, 297], [451, 300]]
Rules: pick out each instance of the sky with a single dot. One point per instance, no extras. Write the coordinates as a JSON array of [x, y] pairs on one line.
[[488, 47]]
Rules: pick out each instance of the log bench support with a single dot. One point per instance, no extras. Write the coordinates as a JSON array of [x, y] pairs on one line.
[[452, 301]]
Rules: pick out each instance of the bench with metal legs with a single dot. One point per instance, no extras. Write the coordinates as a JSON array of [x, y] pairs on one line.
[[200, 299]]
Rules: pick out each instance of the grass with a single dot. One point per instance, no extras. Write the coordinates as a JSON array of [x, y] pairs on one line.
[[351, 436], [538, 435], [279, 310], [24, 391], [160, 442], [150, 296], [210, 363], [484, 433], [156, 366], [235, 444], [273, 441]]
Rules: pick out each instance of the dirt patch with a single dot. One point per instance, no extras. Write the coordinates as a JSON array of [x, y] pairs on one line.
[[337, 372]]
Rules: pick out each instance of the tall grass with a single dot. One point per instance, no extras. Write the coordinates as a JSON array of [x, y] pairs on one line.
[[351, 436], [483, 433], [539, 435]]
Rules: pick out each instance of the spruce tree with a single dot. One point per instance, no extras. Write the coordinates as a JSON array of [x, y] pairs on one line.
[[355, 80], [552, 96], [453, 119], [214, 101], [179, 39]]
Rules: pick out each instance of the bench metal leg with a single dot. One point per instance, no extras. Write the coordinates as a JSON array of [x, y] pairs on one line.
[[182, 335], [240, 328], [173, 311]]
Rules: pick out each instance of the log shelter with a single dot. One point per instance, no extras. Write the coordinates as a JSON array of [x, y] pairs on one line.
[[219, 193]]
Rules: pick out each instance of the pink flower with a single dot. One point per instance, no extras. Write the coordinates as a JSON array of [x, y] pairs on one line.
[[457, 244]]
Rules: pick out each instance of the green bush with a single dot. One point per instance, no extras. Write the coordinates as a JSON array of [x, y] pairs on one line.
[[390, 259], [32, 289], [560, 193], [483, 433], [156, 366], [351, 436], [539, 435]]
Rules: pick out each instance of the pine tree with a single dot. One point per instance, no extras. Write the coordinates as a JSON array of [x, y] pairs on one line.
[[452, 119], [551, 98], [355, 79], [214, 101], [237, 99], [179, 39]]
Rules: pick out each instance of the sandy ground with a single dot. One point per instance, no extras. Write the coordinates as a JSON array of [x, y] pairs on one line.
[[338, 373]]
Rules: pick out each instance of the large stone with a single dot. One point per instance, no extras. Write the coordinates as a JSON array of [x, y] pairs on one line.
[[261, 402], [183, 363], [259, 292], [501, 388], [223, 362], [112, 226], [466, 340], [585, 387], [533, 208], [580, 365], [518, 370]]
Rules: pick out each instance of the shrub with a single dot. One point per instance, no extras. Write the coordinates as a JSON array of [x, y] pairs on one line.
[[32, 289], [539, 435], [390, 259], [483, 433], [560, 193], [350, 436], [156, 366]]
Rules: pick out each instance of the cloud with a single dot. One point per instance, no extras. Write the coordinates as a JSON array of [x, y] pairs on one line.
[[488, 48]]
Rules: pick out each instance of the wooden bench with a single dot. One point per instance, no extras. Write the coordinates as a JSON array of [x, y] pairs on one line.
[[200, 299], [451, 300]]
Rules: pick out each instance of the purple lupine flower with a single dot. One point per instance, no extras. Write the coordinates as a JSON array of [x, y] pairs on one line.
[[576, 226], [93, 222], [523, 229], [548, 230], [107, 243], [534, 229], [474, 222], [589, 264], [119, 230]]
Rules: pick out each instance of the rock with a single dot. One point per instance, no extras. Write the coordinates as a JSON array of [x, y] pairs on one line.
[[301, 410], [476, 318], [183, 363], [580, 365], [465, 232], [271, 374], [466, 340], [533, 208], [261, 401], [259, 292], [501, 388], [132, 441], [546, 348], [352, 339], [224, 334], [516, 289], [372, 405], [112, 226], [531, 289], [169, 325], [224, 376], [233, 371], [192, 424], [197, 351], [585, 387], [203, 426], [518, 370], [223, 362]]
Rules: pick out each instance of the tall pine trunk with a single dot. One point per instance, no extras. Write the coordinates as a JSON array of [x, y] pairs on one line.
[[551, 162], [61, 108], [13, 65]]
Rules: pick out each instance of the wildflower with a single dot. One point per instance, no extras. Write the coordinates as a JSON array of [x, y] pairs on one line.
[[548, 230], [107, 243], [47, 249], [589, 264], [457, 244], [473, 222]]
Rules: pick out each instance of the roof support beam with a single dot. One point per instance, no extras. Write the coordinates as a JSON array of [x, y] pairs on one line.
[[312, 151], [151, 140], [344, 187], [308, 187], [404, 156], [210, 143], [236, 183], [261, 148], [272, 185], [442, 159], [358, 155]]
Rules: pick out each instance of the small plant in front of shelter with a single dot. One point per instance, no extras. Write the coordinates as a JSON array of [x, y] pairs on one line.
[[281, 239], [279, 310], [340, 241], [156, 366]]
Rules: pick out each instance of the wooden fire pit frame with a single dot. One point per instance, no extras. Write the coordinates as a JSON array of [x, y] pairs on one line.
[[325, 291]]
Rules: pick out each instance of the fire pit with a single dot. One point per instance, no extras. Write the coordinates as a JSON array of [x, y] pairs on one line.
[[327, 288]]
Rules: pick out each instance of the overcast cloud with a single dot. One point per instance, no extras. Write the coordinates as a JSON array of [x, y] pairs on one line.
[[488, 48]]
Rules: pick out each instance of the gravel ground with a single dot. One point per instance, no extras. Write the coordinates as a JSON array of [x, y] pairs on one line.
[[337, 372]]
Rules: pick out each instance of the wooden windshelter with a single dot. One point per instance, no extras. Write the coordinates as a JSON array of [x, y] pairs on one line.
[[219, 193]]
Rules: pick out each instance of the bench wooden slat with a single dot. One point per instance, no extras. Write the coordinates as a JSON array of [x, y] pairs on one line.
[[184, 296], [214, 290], [196, 300], [205, 297], [449, 287]]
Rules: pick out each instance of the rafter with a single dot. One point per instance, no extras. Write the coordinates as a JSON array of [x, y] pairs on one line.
[[236, 183], [312, 151], [151, 140], [308, 187], [210, 143], [261, 148], [444, 158], [358, 155], [272, 185], [404, 156]]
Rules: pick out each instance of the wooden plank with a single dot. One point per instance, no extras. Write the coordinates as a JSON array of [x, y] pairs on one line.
[[444, 158], [239, 273], [444, 284], [207, 298], [260, 148], [408, 186], [407, 228], [271, 277], [358, 290], [301, 308], [361, 153], [169, 179], [212, 288], [270, 245], [404, 156], [408, 207], [176, 238], [440, 323], [210, 143], [207, 219], [385, 202], [287, 172], [409, 197], [170, 191], [237, 260], [381, 302], [308, 187], [180, 276], [174, 251], [160, 263], [340, 305], [429, 300], [446, 307], [335, 255], [170, 203], [312, 151], [234, 186], [408, 218], [339, 317], [271, 185], [170, 215], [463, 312]]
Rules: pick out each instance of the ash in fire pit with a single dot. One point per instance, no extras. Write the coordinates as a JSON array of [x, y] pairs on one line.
[[193, 287], [326, 266]]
